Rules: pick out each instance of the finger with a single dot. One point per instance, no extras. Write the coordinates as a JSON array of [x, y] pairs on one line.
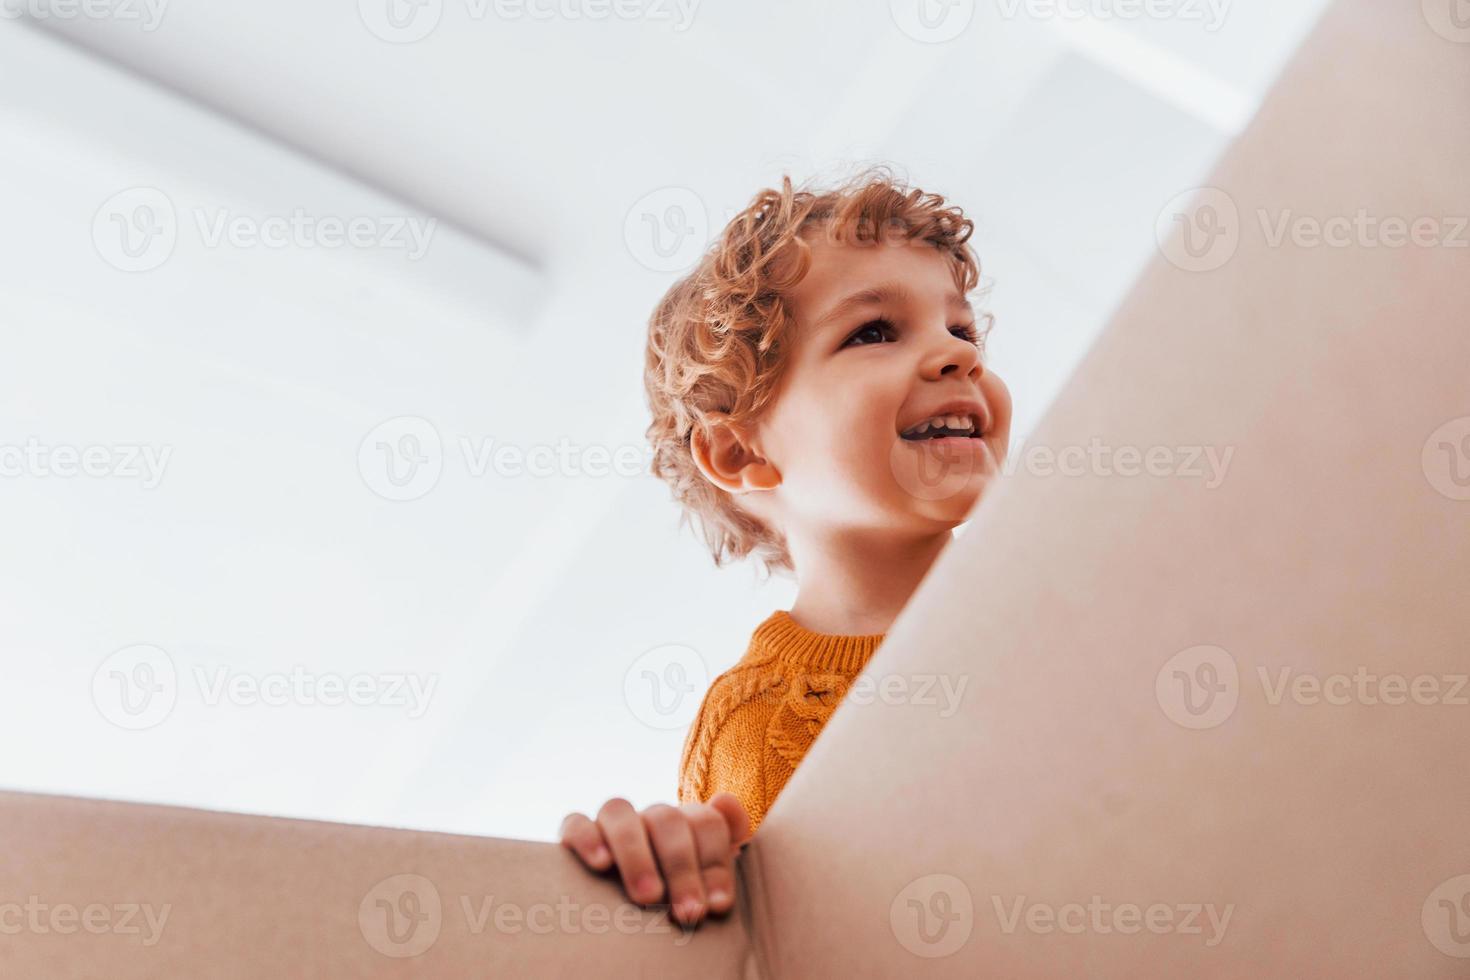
[[627, 838], [674, 847], [716, 856], [735, 815], [581, 836]]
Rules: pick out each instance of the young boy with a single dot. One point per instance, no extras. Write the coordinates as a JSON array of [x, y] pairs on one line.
[[820, 399]]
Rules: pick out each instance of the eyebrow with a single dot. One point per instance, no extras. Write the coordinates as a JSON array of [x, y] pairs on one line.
[[887, 292]]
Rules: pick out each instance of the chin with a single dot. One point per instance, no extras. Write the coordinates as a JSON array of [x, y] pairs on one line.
[[943, 478], [954, 508]]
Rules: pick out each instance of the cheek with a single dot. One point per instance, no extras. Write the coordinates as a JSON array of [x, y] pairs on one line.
[[998, 397], [842, 455], [865, 456]]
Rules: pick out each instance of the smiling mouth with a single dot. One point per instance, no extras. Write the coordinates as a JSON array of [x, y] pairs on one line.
[[946, 427], [967, 437], [932, 436], [966, 444], [943, 433]]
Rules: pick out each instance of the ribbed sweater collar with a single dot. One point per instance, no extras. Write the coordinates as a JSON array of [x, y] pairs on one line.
[[794, 644]]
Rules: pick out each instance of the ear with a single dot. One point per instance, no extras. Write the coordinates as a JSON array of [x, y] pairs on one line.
[[729, 459]]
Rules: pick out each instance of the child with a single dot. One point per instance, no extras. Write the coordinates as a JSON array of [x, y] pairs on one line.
[[820, 399]]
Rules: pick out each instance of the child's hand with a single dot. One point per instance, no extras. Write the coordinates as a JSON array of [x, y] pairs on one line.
[[695, 845]]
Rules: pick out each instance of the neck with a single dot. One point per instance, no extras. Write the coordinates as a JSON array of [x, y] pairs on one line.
[[857, 583]]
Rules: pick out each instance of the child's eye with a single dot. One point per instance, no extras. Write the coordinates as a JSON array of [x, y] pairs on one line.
[[881, 326], [968, 332]]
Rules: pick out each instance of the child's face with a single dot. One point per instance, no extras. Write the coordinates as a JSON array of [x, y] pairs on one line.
[[852, 386]]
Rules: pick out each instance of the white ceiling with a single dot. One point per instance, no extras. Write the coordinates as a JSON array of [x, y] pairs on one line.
[[534, 144]]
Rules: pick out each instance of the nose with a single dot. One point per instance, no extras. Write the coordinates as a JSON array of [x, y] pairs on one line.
[[953, 356]]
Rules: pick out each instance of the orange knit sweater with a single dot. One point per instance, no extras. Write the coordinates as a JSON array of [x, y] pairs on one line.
[[759, 717]]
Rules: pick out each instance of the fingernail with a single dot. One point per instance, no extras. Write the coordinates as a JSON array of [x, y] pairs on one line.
[[600, 855], [647, 884], [719, 896], [689, 910]]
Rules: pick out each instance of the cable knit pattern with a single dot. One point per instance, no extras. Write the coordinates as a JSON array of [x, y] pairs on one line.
[[759, 718]]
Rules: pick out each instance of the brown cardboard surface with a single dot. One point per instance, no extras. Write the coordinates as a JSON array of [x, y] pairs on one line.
[[92, 888], [1072, 780]]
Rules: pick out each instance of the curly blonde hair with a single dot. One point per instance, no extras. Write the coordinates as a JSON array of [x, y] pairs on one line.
[[718, 340]]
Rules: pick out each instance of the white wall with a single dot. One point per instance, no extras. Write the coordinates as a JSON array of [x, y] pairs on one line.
[[525, 149]]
